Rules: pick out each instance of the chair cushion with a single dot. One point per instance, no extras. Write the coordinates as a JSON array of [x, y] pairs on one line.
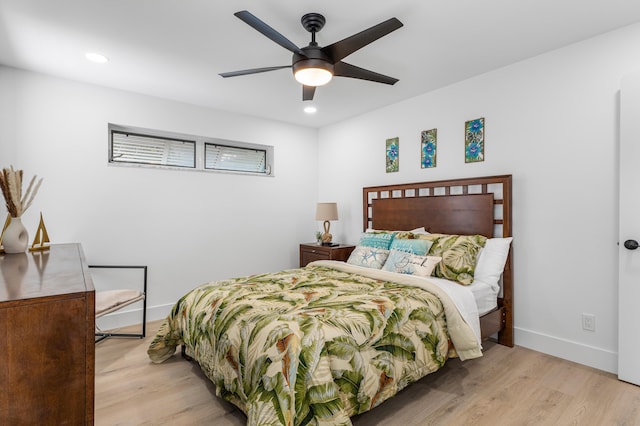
[[112, 300]]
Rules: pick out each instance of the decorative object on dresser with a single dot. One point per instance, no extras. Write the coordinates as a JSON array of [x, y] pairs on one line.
[[41, 239], [310, 252], [47, 361], [327, 212], [15, 238]]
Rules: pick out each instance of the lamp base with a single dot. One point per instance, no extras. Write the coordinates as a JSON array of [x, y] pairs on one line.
[[326, 237]]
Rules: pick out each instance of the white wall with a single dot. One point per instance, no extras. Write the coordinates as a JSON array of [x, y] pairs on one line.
[[551, 122], [188, 227]]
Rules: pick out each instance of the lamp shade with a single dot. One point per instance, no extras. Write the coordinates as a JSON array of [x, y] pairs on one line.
[[327, 211]]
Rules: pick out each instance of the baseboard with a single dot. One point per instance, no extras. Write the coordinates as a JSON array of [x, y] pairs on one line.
[[591, 356], [124, 318]]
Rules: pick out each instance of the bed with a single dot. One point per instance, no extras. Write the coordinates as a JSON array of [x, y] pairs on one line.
[[323, 343]]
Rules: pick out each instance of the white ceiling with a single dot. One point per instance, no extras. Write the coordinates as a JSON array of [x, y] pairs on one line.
[[175, 49]]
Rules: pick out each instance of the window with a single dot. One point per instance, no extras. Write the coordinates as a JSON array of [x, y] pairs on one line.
[[224, 157], [146, 147]]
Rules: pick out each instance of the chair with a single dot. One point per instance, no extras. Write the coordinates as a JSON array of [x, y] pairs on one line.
[[109, 301]]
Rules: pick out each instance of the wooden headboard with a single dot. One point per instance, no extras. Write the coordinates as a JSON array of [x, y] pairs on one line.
[[459, 206]]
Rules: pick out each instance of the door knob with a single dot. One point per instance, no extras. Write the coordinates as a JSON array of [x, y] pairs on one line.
[[631, 244]]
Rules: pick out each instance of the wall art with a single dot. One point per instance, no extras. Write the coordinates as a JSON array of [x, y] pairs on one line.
[[474, 140], [393, 147], [428, 148]]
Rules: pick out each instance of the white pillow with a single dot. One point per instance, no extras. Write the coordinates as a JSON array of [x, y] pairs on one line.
[[369, 257], [407, 263], [420, 230], [491, 261]]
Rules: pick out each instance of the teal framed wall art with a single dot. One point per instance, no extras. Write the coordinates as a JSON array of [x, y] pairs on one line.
[[428, 148], [474, 140], [393, 153]]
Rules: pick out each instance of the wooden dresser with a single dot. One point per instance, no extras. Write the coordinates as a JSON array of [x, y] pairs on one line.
[[47, 350]]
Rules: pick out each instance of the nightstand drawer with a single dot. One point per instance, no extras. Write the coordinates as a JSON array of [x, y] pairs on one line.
[[311, 252], [307, 256]]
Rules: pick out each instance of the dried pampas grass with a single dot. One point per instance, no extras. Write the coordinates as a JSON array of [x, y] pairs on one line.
[[11, 184]]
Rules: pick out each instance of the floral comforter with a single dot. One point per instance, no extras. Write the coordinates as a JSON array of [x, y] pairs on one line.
[[315, 345]]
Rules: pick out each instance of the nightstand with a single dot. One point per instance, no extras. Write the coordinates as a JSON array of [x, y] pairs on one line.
[[311, 251]]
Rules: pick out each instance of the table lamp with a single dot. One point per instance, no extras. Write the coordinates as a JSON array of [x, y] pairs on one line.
[[326, 212]]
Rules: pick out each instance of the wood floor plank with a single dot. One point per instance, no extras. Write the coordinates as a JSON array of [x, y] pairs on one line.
[[507, 386]]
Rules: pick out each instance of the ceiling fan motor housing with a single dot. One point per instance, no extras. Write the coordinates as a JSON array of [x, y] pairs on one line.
[[314, 58]]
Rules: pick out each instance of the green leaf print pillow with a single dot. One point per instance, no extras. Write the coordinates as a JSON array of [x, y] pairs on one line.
[[459, 254]]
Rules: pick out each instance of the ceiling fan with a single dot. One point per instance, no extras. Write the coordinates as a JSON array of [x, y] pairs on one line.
[[314, 65]]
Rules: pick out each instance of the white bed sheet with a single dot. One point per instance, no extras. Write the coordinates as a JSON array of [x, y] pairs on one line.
[[486, 296]]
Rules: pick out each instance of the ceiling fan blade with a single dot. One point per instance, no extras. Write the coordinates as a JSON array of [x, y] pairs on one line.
[[343, 48], [308, 92], [269, 32], [342, 69], [252, 71]]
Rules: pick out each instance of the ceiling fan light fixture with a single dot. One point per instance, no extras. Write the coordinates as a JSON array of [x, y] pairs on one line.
[[313, 72], [313, 76]]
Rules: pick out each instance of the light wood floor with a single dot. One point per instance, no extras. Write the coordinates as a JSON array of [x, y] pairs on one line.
[[508, 386]]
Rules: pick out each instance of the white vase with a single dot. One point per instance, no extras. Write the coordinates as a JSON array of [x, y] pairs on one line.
[[16, 237]]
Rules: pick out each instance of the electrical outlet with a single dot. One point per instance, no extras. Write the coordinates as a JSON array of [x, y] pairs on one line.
[[589, 322]]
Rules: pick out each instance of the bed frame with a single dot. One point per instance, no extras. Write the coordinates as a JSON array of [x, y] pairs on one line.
[[460, 206]]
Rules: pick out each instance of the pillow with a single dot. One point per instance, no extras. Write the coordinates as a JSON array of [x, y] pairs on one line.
[[459, 254], [420, 230], [414, 246], [412, 235], [407, 263], [379, 239], [369, 257], [491, 261]]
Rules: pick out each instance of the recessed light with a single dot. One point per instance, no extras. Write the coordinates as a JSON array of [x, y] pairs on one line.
[[96, 57], [310, 109]]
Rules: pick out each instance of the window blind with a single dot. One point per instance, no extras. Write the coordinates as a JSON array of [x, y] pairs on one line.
[[223, 157], [134, 148]]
